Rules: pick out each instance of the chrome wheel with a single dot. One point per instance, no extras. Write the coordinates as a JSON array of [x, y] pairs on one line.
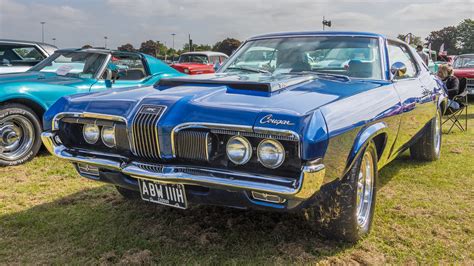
[[437, 134], [17, 136], [365, 189]]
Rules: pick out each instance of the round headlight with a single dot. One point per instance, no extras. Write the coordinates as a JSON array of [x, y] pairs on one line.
[[91, 133], [108, 136], [271, 153], [239, 150]]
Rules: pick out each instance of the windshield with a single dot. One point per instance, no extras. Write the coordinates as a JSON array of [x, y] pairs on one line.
[[73, 64], [357, 57], [193, 58], [464, 62]]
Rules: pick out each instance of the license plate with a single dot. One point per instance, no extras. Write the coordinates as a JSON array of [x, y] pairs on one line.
[[166, 194]]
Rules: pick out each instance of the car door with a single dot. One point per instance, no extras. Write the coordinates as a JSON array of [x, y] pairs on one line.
[[123, 70], [415, 97]]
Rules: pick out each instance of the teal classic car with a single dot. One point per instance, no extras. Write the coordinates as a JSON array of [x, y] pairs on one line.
[[24, 97]]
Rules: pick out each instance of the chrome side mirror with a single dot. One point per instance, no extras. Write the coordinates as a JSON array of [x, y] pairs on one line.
[[398, 69]]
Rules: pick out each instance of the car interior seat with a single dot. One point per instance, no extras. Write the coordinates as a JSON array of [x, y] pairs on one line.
[[360, 69], [133, 74]]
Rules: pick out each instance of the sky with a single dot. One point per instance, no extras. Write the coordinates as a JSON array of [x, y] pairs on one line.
[[77, 22]]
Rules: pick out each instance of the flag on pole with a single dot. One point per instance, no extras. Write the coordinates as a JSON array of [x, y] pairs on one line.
[[408, 38], [442, 51], [429, 50]]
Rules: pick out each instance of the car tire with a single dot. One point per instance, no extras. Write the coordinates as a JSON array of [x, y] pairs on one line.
[[20, 134], [338, 212], [128, 193], [428, 146]]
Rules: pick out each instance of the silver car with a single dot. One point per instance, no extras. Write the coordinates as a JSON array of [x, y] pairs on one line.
[[19, 56]]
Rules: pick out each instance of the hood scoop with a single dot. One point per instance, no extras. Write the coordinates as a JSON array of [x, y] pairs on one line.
[[261, 83]]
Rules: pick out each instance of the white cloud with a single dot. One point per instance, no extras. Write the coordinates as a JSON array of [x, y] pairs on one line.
[[208, 21]]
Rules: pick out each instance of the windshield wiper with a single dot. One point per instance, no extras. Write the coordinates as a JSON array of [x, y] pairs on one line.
[[250, 69], [322, 74]]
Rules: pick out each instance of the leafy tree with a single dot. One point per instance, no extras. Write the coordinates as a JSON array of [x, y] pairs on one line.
[[151, 47], [86, 46], [415, 40], [126, 47], [465, 32], [227, 46], [197, 47], [448, 36]]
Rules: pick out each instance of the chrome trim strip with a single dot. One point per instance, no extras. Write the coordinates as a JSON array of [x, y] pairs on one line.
[[301, 188], [59, 116], [61, 152]]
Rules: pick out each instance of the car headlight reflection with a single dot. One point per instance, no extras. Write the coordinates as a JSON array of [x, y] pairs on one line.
[[108, 136], [91, 133], [239, 150], [271, 153]]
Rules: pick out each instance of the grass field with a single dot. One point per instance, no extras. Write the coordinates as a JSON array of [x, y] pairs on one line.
[[48, 214]]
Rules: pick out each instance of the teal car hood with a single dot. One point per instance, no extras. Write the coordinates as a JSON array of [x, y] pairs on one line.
[[43, 78]]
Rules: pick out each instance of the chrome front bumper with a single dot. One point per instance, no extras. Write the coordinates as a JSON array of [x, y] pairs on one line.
[[306, 185]]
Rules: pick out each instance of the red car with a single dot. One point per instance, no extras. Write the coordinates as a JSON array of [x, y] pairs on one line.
[[194, 63], [464, 68]]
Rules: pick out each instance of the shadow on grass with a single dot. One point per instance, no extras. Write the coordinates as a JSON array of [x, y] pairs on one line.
[[99, 225]]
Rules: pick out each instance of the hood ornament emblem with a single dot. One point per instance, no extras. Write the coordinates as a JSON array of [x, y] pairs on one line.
[[268, 119]]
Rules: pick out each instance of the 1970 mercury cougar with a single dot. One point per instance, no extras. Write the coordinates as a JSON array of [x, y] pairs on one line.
[[290, 134]]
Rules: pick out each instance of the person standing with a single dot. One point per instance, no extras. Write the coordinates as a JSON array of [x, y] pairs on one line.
[[419, 50]]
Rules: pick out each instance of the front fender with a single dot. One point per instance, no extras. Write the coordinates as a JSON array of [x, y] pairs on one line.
[[365, 135], [23, 96]]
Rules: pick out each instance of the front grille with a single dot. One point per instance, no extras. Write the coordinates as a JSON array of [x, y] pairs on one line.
[[145, 132], [193, 145], [150, 167], [254, 135], [470, 83]]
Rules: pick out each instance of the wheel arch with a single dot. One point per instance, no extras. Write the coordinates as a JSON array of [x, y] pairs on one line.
[[32, 104], [376, 132]]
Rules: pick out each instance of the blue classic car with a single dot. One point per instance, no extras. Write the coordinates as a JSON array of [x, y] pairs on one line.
[[24, 97], [284, 135]]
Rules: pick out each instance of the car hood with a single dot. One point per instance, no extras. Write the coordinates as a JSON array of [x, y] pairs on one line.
[[38, 77], [282, 102]]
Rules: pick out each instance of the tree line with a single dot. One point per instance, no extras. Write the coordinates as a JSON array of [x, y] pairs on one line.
[[456, 39], [160, 50]]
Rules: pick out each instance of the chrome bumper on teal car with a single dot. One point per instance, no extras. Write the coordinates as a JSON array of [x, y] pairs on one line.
[[302, 188]]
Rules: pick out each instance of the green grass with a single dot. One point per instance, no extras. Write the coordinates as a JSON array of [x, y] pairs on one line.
[[48, 214]]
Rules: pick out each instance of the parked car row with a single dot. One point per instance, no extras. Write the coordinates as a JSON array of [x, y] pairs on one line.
[[296, 121]]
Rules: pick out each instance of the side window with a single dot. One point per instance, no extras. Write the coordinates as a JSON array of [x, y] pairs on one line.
[[127, 67], [398, 53], [20, 55], [214, 60]]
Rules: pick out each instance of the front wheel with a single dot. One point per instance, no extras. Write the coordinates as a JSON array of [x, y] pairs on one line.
[[20, 131], [345, 209], [428, 147]]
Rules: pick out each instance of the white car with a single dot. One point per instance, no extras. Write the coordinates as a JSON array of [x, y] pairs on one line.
[[19, 56]]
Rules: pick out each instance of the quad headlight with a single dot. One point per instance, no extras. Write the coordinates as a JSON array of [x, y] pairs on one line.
[[108, 136], [239, 150], [91, 133], [271, 153]]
